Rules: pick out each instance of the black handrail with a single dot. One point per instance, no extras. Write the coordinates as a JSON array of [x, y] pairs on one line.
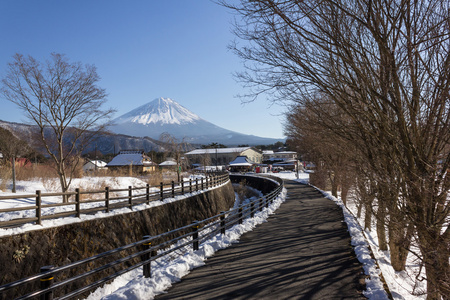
[[185, 236]]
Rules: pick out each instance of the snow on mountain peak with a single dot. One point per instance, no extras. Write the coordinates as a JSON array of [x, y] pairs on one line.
[[161, 111]]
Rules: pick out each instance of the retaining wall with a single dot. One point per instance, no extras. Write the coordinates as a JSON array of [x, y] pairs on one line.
[[68, 243]]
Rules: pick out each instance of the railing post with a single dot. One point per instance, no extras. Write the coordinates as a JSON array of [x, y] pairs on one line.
[[195, 227], [38, 207], [130, 197], [190, 185], [46, 282], [252, 209], [196, 184], [161, 191], [202, 183], [182, 187], [222, 222], [147, 193], [173, 188], [77, 202], [240, 215], [146, 257], [267, 202], [207, 181], [107, 198]]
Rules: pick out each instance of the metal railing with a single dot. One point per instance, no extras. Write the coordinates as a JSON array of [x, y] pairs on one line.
[[104, 200], [61, 281]]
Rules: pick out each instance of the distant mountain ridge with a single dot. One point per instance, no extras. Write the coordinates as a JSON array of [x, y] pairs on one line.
[[105, 142], [166, 115]]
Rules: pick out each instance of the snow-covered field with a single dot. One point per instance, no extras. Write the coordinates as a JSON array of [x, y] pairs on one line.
[[86, 183], [165, 272]]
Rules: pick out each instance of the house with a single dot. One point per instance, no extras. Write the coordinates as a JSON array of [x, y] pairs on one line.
[[241, 164], [133, 161], [282, 156], [222, 156], [94, 165], [282, 160], [169, 164]]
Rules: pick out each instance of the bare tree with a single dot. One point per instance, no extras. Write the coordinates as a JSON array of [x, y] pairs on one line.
[[386, 64], [175, 149], [12, 148], [65, 103]]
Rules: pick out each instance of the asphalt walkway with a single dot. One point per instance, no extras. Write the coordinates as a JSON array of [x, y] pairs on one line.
[[302, 252]]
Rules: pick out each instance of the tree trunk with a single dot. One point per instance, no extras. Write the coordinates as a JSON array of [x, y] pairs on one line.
[[13, 165], [400, 236], [64, 186], [436, 253], [381, 229], [367, 215], [344, 192]]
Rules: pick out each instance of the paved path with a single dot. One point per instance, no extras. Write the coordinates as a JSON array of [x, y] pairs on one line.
[[302, 252]]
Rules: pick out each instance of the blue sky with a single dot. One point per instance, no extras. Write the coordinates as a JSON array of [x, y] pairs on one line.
[[142, 50]]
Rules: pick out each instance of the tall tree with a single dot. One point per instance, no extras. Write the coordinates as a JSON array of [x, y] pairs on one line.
[[62, 98], [386, 64]]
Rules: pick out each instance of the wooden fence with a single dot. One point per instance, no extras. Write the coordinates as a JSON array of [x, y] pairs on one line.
[[108, 199]]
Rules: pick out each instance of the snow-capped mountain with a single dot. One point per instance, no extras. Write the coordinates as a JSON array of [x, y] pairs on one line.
[[162, 111], [166, 115]]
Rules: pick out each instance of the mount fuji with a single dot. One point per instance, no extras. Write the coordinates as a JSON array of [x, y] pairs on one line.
[[166, 115]]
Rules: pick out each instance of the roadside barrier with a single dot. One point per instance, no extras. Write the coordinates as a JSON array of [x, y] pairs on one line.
[[68, 281]]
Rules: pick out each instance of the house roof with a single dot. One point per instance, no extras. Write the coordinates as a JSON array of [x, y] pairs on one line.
[[98, 163], [241, 161], [219, 150], [168, 163], [126, 159]]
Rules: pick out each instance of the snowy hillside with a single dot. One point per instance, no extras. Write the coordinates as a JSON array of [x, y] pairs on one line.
[[166, 115]]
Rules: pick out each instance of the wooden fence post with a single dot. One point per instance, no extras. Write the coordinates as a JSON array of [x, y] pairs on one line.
[[147, 193], [182, 187], [190, 185], [161, 191], [77, 202], [196, 184], [38, 207], [173, 188], [202, 183], [130, 197], [107, 198]]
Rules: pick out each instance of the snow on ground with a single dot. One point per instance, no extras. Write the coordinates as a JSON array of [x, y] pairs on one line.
[[86, 183], [165, 272]]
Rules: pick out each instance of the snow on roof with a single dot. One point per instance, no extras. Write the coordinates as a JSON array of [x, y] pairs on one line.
[[286, 152], [218, 150], [267, 152], [98, 163], [168, 163], [125, 159], [242, 161]]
